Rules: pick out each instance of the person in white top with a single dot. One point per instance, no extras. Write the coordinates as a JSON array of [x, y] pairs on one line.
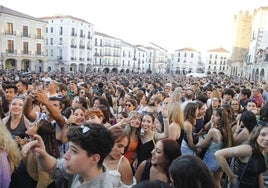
[[117, 164], [46, 78]]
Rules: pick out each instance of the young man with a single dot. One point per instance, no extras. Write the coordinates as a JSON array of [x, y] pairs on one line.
[[82, 164]]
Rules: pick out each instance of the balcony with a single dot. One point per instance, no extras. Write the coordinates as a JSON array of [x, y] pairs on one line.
[[73, 58], [39, 37], [39, 53], [26, 35], [26, 52], [98, 54], [73, 46], [108, 44], [10, 33], [11, 51], [82, 59], [89, 59], [82, 46], [74, 34]]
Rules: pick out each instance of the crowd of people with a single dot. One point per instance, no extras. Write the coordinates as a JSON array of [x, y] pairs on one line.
[[119, 130]]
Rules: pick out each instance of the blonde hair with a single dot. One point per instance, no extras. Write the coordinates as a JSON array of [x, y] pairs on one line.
[[175, 113], [9, 145], [131, 115]]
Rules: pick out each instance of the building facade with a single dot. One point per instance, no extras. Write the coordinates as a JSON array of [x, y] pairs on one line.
[[22, 39], [216, 61], [186, 60], [69, 43]]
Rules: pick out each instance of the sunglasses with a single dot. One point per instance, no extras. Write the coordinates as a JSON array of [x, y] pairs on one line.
[[129, 105]]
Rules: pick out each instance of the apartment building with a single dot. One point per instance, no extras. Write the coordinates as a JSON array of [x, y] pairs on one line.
[[127, 58], [186, 60], [69, 43], [22, 40], [107, 53], [216, 61]]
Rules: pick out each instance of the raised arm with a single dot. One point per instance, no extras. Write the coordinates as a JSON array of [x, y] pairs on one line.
[[28, 108], [37, 146]]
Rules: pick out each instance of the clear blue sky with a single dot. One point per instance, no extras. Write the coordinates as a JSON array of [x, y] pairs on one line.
[[172, 24]]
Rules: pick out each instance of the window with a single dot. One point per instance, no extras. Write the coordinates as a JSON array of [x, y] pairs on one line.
[[51, 53], [9, 28], [25, 47], [179, 59], [88, 35], [61, 30], [60, 41], [73, 32], [38, 33], [10, 46], [192, 54], [51, 41], [185, 54], [51, 30], [38, 49], [179, 54], [25, 31]]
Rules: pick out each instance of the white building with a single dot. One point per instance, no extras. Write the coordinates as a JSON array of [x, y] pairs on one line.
[[160, 58], [141, 63], [22, 41], [216, 61], [186, 60], [127, 57], [107, 53], [69, 43]]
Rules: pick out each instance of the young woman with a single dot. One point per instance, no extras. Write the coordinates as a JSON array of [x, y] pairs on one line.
[[146, 139], [218, 137], [16, 122], [47, 132], [175, 114], [132, 129], [9, 156], [248, 160], [244, 127], [190, 171], [164, 152], [190, 135], [235, 104], [119, 166]]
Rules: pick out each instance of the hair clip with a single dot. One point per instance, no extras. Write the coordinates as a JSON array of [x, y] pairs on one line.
[[85, 129]]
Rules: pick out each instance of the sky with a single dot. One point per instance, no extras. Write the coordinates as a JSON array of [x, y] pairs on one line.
[[171, 24]]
